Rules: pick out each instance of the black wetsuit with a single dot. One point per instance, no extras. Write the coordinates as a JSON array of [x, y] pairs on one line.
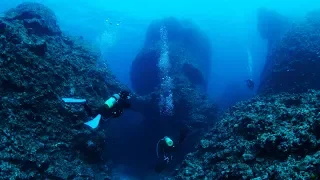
[[166, 152], [115, 112], [165, 155]]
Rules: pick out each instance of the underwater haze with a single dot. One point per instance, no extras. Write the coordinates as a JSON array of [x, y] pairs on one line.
[[230, 24], [119, 28]]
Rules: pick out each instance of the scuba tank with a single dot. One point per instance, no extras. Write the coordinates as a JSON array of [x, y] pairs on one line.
[[112, 101], [168, 141]]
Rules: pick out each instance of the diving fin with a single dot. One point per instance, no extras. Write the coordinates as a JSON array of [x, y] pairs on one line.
[[94, 123], [74, 100]]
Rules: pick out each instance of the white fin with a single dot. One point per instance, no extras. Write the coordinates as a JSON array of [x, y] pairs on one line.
[[73, 100], [94, 123]]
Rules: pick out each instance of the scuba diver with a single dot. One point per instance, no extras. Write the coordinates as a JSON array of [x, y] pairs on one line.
[[112, 108], [250, 84], [166, 148]]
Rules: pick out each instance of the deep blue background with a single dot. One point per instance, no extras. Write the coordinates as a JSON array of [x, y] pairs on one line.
[[230, 25]]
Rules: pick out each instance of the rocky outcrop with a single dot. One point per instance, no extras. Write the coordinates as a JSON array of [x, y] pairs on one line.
[[189, 54], [270, 137], [294, 63], [41, 137], [271, 26], [36, 18]]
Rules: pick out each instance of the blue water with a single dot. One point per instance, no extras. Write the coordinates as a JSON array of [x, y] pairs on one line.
[[229, 24]]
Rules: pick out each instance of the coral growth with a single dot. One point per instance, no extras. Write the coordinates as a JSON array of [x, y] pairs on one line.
[[41, 137], [293, 64], [267, 137]]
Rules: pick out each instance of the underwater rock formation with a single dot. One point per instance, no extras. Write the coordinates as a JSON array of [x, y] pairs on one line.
[[267, 137], [271, 26], [36, 18], [41, 137], [295, 61], [189, 54]]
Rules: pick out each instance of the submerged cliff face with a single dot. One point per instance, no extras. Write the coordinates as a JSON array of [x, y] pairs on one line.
[[189, 52], [269, 137], [41, 137], [293, 64], [272, 26], [188, 61]]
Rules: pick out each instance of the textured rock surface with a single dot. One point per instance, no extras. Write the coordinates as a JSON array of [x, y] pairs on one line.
[[293, 64], [271, 137], [271, 25], [36, 18], [41, 137], [189, 54]]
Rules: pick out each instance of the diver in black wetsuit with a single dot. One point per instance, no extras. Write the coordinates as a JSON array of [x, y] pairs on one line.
[[166, 148], [250, 84], [112, 108]]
